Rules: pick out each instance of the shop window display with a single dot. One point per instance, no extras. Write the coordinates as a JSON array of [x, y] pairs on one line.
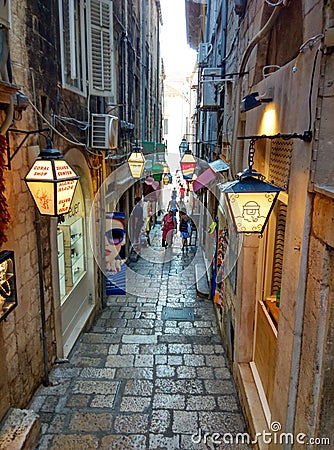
[[8, 297], [71, 247]]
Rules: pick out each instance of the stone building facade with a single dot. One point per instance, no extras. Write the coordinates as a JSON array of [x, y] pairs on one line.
[[275, 305], [67, 68]]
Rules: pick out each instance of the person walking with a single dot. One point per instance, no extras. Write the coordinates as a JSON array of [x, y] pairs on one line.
[[138, 220], [182, 192], [148, 228], [185, 229], [168, 227], [173, 204]]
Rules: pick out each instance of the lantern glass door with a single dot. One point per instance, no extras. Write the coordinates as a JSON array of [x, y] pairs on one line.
[[250, 211], [188, 165], [136, 163]]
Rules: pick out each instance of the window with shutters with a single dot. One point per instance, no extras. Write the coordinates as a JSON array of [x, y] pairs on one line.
[[101, 48], [273, 253], [72, 44]]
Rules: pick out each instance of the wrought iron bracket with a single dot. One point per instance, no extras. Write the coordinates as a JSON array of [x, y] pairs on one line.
[[306, 136], [27, 134]]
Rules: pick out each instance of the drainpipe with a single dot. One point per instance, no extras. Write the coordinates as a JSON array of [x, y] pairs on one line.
[[237, 154], [223, 37], [143, 79], [42, 298], [125, 62]]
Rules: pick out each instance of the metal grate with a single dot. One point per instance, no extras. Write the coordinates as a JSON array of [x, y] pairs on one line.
[[180, 314], [279, 247], [280, 160]]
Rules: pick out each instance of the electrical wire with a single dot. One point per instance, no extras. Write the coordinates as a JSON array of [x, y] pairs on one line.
[[311, 41], [83, 126], [233, 47], [308, 43], [311, 89], [51, 126]]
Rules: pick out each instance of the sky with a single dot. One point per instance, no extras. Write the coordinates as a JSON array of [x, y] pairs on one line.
[[179, 59]]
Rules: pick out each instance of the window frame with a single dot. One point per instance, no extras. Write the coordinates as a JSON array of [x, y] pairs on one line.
[[77, 46], [269, 249]]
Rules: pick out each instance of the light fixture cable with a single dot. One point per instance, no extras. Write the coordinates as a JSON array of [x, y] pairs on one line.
[[51, 126]]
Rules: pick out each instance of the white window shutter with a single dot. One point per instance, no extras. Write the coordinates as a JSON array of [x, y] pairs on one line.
[[101, 48], [72, 45]]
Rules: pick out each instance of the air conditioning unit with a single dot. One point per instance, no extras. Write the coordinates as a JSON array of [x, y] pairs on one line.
[[209, 94], [104, 131], [204, 50]]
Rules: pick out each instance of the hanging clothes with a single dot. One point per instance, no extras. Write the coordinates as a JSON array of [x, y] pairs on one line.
[[221, 252]]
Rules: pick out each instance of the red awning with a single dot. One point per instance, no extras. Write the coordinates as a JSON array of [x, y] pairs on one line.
[[151, 190], [203, 179]]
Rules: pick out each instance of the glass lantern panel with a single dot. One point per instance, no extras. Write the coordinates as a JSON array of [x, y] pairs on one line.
[[188, 169], [136, 169], [136, 164], [65, 192], [41, 170], [63, 170], [250, 210], [43, 195]]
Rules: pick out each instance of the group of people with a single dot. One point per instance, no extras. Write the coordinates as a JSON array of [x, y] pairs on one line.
[[169, 226], [115, 234], [169, 223]]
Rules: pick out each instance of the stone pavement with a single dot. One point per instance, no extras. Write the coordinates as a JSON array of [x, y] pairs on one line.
[[135, 381]]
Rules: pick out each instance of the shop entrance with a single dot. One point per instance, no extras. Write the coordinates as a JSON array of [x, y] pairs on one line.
[[73, 277]]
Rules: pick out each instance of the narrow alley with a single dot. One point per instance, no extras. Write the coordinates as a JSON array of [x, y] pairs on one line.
[[139, 379]]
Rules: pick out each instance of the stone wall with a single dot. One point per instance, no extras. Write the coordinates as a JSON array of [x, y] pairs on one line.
[[315, 391], [35, 60], [21, 332]]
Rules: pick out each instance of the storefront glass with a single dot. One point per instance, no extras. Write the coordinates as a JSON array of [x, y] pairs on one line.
[[71, 246]]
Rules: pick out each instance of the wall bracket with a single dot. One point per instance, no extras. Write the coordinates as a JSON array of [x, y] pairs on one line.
[[306, 136], [27, 134]]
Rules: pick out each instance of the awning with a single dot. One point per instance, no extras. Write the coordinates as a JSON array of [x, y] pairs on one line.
[[210, 174], [151, 190], [219, 166], [203, 179]]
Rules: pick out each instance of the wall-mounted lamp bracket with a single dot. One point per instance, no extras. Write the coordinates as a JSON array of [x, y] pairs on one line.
[[27, 134], [306, 136]]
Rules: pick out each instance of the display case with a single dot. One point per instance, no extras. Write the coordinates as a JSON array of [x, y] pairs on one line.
[[61, 263], [73, 250], [8, 295]]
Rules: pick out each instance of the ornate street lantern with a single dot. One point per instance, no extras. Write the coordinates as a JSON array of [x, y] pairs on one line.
[[250, 199], [51, 182], [136, 162], [187, 162], [165, 179], [183, 147]]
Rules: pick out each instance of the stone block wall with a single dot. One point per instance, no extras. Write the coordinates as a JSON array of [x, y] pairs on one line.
[[20, 334], [316, 392]]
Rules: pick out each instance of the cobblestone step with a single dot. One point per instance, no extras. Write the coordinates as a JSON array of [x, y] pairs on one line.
[[20, 430], [134, 381], [202, 285]]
